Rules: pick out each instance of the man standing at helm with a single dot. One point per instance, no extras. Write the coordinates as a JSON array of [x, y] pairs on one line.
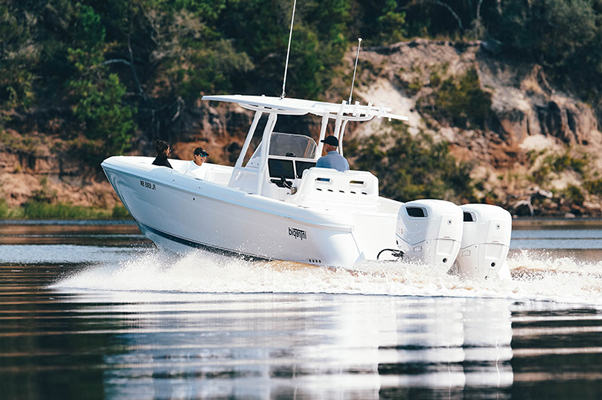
[[332, 159]]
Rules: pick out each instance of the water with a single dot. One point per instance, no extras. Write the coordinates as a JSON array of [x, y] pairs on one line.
[[93, 311]]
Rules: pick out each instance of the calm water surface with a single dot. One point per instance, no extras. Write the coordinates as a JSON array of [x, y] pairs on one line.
[[93, 311]]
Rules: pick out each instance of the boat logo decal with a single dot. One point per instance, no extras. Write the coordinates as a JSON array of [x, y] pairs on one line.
[[297, 233], [148, 185]]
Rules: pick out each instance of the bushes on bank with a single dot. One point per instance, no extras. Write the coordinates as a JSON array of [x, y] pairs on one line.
[[412, 167], [459, 101], [36, 209]]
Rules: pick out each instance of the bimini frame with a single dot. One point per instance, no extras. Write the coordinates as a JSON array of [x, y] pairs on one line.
[[274, 106]]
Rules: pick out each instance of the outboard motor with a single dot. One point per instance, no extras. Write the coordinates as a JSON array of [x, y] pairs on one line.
[[430, 231], [485, 241]]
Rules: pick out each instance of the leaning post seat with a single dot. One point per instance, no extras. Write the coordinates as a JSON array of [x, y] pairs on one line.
[[327, 186]]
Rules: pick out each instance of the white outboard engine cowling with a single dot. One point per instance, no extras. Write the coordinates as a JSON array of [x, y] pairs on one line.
[[485, 241], [430, 231]]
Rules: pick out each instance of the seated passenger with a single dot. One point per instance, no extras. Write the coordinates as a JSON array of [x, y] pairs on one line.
[[193, 168], [332, 159], [163, 150]]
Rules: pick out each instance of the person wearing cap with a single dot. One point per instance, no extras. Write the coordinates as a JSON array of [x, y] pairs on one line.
[[163, 150], [332, 159], [193, 167]]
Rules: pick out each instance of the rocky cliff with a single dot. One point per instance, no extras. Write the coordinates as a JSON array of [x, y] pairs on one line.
[[540, 147], [534, 151]]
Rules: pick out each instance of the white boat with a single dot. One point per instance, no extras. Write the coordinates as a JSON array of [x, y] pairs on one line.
[[279, 206]]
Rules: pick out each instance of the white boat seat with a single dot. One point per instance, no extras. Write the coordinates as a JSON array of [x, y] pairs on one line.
[[326, 185]]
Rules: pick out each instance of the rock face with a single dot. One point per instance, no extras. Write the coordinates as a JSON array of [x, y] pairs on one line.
[[537, 146], [531, 126]]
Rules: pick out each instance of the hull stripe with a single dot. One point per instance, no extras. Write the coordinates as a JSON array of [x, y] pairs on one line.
[[196, 245]]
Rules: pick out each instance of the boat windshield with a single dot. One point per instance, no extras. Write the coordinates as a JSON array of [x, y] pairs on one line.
[[289, 145]]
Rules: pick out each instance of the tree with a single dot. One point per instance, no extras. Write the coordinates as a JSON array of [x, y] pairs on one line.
[[18, 53], [97, 95], [261, 28], [391, 23]]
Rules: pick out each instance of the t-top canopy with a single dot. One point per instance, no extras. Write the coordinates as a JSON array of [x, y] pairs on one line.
[[353, 112]]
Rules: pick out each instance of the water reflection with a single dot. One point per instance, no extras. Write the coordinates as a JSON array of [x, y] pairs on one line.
[[315, 346], [127, 324], [100, 233]]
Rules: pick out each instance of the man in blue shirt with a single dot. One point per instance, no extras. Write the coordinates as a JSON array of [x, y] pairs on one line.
[[332, 159]]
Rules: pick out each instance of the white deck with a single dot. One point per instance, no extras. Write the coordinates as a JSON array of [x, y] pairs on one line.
[[318, 188]]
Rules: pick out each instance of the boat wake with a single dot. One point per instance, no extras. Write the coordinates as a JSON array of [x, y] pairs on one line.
[[534, 277]]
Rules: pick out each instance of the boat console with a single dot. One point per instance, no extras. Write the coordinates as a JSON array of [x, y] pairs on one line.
[[284, 170]]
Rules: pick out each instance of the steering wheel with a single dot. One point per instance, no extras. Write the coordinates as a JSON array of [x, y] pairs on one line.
[[285, 183]]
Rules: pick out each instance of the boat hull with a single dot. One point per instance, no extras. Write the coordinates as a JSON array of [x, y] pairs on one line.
[[179, 213]]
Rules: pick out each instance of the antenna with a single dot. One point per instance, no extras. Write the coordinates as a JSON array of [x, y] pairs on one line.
[[357, 56], [288, 52]]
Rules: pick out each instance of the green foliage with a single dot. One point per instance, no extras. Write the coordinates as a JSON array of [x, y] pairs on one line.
[[261, 28], [17, 53], [208, 70], [192, 55], [565, 162], [306, 66], [410, 167], [120, 212], [574, 194], [89, 32], [390, 23], [435, 79], [23, 143], [36, 209], [128, 67], [540, 176], [562, 35], [5, 211], [594, 187], [378, 21], [42, 210], [414, 86], [96, 94], [205, 10], [105, 118], [552, 31], [461, 100], [554, 163]]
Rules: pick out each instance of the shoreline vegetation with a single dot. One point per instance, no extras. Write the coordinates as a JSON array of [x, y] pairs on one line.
[[61, 211], [83, 80], [116, 71]]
